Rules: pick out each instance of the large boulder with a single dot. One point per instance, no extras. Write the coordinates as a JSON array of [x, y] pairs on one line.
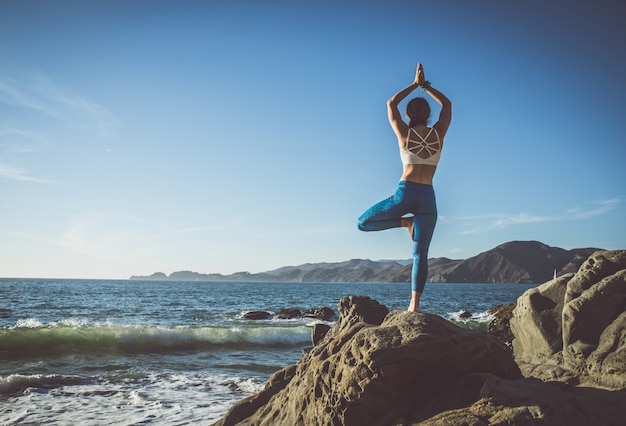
[[367, 374], [596, 299], [375, 367], [536, 321], [574, 327], [484, 399]]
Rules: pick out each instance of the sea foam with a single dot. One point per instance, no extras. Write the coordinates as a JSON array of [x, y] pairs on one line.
[[462, 318], [30, 338]]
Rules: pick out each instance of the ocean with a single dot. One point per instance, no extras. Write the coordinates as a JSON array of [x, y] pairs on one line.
[[103, 352]]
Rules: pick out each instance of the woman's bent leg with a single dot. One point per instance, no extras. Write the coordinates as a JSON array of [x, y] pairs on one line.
[[385, 214]]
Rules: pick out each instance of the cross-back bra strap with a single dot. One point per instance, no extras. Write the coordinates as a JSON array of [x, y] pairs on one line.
[[427, 134]]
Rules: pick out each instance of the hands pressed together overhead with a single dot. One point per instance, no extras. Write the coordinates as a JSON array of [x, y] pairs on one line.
[[419, 75]]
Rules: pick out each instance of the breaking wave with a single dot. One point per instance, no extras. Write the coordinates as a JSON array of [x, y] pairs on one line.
[[29, 338]]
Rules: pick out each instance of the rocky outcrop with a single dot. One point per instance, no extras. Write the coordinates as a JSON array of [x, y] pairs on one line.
[[375, 367], [499, 326], [574, 328]]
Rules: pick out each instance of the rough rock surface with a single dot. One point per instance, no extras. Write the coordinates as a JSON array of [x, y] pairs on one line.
[[360, 370], [402, 368], [574, 327], [499, 326]]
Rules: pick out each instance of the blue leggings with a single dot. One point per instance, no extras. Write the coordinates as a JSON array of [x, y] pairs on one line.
[[410, 197]]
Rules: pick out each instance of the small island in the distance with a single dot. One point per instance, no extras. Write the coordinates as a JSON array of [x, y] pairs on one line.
[[527, 262]]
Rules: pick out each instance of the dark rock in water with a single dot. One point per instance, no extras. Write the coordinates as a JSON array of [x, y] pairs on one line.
[[465, 314], [499, 326], [319, 332], [405, 368], [257, 315], [324, 313], [288, 314]]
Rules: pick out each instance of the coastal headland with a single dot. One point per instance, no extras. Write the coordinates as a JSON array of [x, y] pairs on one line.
[[566, 364], [527, 262]]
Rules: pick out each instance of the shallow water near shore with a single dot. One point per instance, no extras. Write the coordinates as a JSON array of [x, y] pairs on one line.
[[162, 352]]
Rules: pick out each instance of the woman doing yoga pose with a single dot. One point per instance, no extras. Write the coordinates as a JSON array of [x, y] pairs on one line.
[[420, 150]]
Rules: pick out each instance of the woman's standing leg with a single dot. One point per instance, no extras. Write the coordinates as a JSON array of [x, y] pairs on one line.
[[425, 219]]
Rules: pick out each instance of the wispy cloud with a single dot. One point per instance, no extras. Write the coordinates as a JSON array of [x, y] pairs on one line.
[[518, 219], [480, 224], [15, 173], [19, 94], [592, 209], [14, 140], [41, 95], [38, 114]]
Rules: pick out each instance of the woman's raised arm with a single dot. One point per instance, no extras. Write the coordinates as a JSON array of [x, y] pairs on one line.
[[395, 117], [445, 115]]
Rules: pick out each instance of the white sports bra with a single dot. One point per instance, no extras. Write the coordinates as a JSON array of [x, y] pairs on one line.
[[421, 151]]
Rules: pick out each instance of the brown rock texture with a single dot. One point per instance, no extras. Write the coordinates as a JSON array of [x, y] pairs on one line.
[[375, 367], [575, 326], [499, 326], [361, 369]]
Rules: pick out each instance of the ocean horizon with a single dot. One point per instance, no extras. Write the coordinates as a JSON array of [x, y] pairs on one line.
[[166, 352]]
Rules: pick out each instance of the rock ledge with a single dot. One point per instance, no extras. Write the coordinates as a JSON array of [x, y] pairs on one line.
[[375, 367]]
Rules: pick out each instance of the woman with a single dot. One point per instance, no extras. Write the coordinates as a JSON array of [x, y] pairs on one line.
[[420, 149]]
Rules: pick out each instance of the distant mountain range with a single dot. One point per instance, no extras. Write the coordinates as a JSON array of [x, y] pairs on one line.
[[529, 262]]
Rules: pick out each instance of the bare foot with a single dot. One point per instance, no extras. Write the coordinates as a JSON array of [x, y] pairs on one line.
[[414, 306]]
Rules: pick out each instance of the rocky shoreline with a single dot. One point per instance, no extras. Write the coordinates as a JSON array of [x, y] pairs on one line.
[[565, 363]]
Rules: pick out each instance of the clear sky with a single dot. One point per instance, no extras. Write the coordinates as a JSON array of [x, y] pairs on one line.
[[227, 135]]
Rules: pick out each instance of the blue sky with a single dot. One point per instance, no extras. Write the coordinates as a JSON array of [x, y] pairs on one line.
[[223, 136]]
